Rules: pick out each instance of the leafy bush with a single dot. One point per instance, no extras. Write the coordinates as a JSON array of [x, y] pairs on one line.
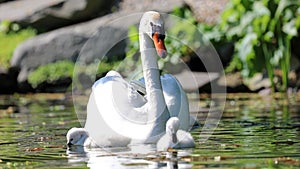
[[11, 35], [182, 37], [262, 31], [51, 72]]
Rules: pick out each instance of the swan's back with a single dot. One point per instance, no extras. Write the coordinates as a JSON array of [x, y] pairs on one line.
[[176, 100], [117, 113]]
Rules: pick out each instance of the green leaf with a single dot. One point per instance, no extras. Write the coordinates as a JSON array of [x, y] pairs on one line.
[[245, 48], [133, 33], [278, 54], [297, 23], [268, 36], [290, 28], [4, 26]]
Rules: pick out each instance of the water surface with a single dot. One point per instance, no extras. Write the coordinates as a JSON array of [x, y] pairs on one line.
[[254, 132]]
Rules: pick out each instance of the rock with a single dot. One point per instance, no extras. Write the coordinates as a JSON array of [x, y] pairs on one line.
[[265, 92], [61, 44], [46, 48], [50, 14], [233, 82], [258, 82], [207, 11], [97, 36], [158, 5], [192, 81]]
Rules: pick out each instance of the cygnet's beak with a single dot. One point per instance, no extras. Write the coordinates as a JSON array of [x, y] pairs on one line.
[[69, 143], [159, 44]]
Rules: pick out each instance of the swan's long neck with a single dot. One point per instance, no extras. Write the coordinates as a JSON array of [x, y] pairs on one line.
[[150, 70], [156, 102]]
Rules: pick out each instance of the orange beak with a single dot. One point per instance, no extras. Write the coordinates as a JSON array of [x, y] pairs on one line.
[[159, 45]]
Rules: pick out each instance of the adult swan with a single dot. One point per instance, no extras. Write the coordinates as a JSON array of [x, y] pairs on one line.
[[118, 113]]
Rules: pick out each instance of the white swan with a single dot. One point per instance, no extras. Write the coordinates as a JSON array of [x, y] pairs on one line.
[[175, 98], [79, 136], [175, 138], [116, 111]]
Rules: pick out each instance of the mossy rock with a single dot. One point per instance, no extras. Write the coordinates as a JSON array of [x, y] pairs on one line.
[[51, 73]]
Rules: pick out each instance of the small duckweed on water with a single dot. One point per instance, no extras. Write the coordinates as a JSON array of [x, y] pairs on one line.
[[254, 132]]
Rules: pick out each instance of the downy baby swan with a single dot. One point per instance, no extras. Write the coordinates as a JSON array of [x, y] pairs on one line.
[[175, 138]]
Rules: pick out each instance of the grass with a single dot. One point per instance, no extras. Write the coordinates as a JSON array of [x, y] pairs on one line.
[[51, 72], [9, 41], [64, 69]]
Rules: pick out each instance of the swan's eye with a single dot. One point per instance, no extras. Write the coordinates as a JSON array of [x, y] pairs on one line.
[[158, 36], [159, 30], [161, 36]]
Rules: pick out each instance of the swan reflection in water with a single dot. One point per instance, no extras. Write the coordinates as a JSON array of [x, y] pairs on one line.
[[127, 157]]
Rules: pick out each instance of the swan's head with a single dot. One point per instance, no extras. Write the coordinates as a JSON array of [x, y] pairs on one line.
[[172, 127], [76, 136], [153, 25]]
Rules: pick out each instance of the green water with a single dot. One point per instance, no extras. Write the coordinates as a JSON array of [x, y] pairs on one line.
[[254, 132]]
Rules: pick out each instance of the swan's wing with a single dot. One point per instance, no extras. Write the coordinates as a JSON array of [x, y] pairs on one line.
[[113, 77], [139, 86], [175, 97], [176, 100], [118, 113], [194, 122], [99, 130]]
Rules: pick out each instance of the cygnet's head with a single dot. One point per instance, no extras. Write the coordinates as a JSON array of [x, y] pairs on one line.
[[153, 25], [76, 136], [172, 127]]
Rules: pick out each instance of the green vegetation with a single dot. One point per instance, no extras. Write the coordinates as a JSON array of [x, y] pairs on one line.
[[11, 35], [182, 37], [262, 32], [51, 72], [131, 62], [105, 66]]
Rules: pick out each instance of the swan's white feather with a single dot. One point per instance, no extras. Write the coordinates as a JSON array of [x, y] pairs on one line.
[[176, 99], [118, 112]]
